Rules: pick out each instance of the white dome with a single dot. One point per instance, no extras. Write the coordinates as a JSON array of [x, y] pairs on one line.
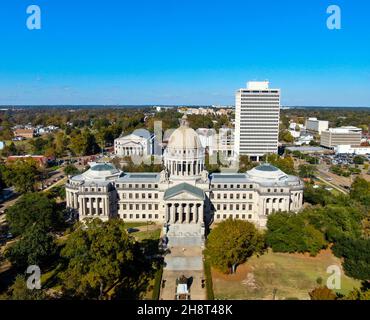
[[267, 172], [184, 137]]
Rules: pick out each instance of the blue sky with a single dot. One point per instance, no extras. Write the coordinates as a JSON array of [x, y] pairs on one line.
[[183, 51]]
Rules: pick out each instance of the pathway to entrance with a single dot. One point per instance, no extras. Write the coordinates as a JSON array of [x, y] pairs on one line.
[[187, 261]]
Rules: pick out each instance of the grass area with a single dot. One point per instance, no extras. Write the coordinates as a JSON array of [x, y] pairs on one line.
[[292, 275], [208, 276], [134, 224], [157, 284], [147, 235]]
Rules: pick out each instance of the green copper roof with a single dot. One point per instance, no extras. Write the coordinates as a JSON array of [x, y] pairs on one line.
[[103, 167], [266, 167], [184, 187]]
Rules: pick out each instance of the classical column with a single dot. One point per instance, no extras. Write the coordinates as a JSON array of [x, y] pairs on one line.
[[173, 213], [201, 214], [167, 213], [188, 213], [181, 213]]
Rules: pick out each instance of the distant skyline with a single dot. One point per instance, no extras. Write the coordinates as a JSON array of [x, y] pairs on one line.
[[194, 52]]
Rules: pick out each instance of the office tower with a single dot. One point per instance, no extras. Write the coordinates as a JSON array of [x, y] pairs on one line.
[[257, 113]]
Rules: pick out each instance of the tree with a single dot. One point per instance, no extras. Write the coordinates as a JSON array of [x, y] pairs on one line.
[[322, 293], [36, 247], [306, 171], [71, 170], [232, 242], [360, 191], [358, 160], [2, 181], [359, 294], [19, 291], [356, 254], [99, 255], [33, 208], [286, 136], [285, 164], [23, 175], [291, 232]]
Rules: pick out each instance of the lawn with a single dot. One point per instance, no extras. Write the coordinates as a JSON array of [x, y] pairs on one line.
[[292, 275], [148, 235]]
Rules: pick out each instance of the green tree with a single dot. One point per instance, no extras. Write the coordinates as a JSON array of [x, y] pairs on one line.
[[291, 232], [35, 247], [23, 175], [306, 171], [33, 208], [358, 160], [98, 256], [356, 254], [71, 170], [232, 242], [360, 191]]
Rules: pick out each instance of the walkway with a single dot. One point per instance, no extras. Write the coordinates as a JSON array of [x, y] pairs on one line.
[[186, 261]]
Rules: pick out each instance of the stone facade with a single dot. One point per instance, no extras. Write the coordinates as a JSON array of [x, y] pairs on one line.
[[183, 196]]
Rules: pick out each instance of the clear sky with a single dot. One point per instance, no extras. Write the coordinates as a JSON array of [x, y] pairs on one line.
[[183, 51]]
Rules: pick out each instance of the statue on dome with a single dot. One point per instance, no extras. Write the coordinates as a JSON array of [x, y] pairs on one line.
[[164, 175], [204, 174]]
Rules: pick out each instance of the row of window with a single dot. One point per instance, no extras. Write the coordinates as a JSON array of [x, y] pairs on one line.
[[137, 195], [238, 207], [137, 206], [236, 216], [137, 186], [140, 216], [231, 196], [231, 186]]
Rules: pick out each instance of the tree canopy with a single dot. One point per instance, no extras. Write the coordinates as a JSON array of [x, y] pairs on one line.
[[231, 243], [100, 257], [34, 208]]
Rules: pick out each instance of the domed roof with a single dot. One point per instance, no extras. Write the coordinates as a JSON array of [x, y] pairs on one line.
[[100, 171], [266, 172], [184, 137]]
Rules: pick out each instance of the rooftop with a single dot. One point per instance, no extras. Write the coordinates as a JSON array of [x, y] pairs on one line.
[[184, 187]]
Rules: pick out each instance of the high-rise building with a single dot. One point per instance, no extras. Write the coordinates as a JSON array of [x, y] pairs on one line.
[[257, 114]]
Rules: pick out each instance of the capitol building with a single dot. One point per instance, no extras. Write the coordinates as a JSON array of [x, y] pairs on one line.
[[183, 197]]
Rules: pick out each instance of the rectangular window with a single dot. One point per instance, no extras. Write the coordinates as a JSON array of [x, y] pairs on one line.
[[156, 206], [137, 207], [138, 216], [150, 206], [250, 207], [250, 196], [144, 216]]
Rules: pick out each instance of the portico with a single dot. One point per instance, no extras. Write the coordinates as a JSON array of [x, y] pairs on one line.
[[184, 212]]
